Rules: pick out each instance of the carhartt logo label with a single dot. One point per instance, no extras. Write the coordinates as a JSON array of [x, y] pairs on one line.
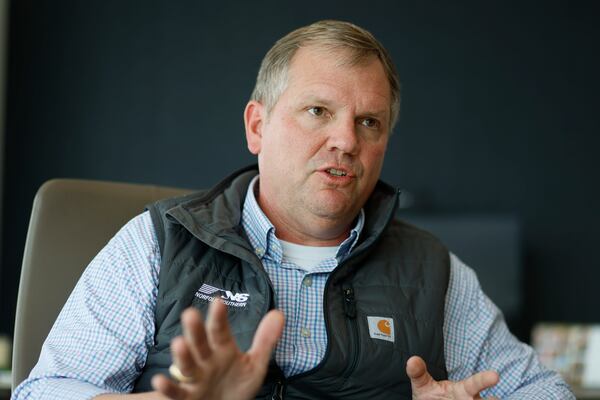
[[381, 328], [384, 327], [209, 293]]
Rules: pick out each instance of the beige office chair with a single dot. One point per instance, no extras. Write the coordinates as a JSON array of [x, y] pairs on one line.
[[70, 222]]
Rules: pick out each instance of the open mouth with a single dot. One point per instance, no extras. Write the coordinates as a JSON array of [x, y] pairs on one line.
[[336, 172]]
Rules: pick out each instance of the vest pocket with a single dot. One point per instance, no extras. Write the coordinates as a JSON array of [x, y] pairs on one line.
[[383, 334]]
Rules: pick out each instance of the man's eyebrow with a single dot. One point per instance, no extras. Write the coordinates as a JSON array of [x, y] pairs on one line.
[[377, 114], [313, 99]]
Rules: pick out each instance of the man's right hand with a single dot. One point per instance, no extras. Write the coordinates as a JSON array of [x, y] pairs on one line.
[[210, 357]]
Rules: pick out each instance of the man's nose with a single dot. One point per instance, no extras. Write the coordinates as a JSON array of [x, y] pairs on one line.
[[343, 136]]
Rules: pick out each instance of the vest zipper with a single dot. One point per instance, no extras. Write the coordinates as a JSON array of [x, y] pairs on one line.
[[278, 390], [350, 310], [359, 251], [349, 302]]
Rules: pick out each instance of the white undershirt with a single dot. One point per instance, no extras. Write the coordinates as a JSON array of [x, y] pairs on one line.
[[306, 257]]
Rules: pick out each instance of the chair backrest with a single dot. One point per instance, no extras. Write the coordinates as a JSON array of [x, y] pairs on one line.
[[70, 222]]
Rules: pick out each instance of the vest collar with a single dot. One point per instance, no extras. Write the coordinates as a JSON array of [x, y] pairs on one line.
[[214, 216]]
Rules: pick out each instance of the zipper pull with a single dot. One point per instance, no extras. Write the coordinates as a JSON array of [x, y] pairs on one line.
[[349, 302], [278, 391]]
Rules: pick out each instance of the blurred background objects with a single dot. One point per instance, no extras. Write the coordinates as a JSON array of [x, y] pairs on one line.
[[496, 147]]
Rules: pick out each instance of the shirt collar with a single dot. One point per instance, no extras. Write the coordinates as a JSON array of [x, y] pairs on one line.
[[261, 232]]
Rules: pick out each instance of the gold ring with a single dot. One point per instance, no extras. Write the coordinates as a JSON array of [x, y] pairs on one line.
[[178, 376]]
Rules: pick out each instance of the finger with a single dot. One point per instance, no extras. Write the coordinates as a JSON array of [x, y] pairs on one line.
[[217, 326], [195, 334], [416, 369], [182, 357], [480, 381], [266, 337], [167, 387]]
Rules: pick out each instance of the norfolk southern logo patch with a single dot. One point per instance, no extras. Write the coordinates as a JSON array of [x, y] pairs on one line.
[[231, 299]]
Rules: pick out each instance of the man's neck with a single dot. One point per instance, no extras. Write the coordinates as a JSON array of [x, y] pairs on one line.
[[312, 231]]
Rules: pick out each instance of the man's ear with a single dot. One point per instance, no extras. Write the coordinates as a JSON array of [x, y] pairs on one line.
[[254, 116]]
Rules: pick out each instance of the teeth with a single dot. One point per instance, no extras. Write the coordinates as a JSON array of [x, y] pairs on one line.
[[336, 172]]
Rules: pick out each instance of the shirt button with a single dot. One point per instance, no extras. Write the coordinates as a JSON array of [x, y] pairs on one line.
[[259, 251], [304, 332], [307, 281]]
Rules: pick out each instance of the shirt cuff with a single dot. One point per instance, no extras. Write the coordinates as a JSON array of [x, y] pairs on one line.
[[57, 388]]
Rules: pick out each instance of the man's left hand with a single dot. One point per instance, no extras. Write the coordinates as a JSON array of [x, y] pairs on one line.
[[424, 387]]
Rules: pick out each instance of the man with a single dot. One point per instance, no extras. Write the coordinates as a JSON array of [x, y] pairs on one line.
[[311, 288]]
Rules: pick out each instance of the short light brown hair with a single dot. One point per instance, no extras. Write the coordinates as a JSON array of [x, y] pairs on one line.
[[354, 44]]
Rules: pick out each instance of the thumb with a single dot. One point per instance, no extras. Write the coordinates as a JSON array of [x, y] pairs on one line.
[[416, 369], [267, 334]]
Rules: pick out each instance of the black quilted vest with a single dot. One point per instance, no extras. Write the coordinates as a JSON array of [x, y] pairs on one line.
[[395, 271]]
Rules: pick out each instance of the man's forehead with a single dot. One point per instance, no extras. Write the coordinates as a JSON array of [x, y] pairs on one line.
[[343, 56], [317, 61], [316, 74]]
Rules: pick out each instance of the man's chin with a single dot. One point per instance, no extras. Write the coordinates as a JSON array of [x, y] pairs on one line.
[[334, 207]]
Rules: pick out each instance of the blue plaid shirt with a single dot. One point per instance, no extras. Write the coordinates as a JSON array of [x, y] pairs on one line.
[[299, 293], [100, 340]]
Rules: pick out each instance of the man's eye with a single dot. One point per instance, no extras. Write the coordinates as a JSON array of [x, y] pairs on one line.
[[370, 123], [316, 111]]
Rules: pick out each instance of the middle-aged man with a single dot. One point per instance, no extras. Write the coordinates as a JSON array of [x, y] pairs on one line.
[[374, 308]]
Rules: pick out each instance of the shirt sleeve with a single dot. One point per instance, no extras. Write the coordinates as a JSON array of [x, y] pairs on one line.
[[99, 341], [477, 339]]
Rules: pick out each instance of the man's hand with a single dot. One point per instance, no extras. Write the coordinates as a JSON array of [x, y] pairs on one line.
[[424, 387], [211, 358]]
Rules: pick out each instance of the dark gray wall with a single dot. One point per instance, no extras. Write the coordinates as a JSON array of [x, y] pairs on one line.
[[499, 112]]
